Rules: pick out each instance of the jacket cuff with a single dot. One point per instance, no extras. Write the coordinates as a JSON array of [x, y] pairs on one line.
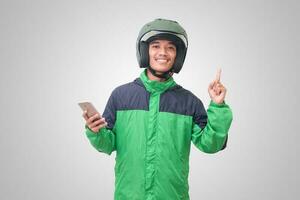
[[89, 131], [212, 103]]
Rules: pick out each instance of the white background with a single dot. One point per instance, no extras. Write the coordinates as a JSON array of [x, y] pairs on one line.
[[54, 54]]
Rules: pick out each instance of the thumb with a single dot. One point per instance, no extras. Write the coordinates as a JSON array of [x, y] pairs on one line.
[[211, 85]]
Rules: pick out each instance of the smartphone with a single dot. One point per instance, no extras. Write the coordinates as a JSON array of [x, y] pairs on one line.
[[88, 106]]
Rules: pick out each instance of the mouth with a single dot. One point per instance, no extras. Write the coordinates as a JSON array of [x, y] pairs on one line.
[[162, 60]]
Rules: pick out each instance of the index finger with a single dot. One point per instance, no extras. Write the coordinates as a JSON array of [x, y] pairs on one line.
[[218, 76], [94, 117]]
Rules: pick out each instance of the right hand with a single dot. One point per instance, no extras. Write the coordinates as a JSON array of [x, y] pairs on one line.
[[95, 122], [216, 89]]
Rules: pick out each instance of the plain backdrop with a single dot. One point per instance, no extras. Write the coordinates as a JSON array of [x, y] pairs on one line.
[[54, 54]]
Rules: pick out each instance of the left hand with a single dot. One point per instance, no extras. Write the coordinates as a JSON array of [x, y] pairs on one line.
[[216, 89]]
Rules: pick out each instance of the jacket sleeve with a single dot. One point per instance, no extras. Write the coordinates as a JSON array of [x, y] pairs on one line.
[[210, 130], [105, 139]]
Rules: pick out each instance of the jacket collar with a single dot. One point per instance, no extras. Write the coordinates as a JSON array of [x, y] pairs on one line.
[[156, 86]]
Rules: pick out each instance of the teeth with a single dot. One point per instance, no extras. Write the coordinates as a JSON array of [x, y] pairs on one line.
[[161, 60]]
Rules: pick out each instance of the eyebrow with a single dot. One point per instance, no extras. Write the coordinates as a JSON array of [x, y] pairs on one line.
[[157, 42]]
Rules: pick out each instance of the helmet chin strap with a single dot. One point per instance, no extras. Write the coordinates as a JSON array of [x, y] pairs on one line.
[[165, 75]]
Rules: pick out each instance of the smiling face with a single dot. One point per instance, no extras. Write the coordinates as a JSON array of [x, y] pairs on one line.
[[162, 54]]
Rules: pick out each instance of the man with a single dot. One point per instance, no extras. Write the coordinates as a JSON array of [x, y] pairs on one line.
[[151, 121]]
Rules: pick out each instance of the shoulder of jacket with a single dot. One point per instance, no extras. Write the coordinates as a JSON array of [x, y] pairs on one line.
[[125, 88]]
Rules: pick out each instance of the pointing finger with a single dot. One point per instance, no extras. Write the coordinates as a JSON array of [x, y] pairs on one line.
[[218, 76]]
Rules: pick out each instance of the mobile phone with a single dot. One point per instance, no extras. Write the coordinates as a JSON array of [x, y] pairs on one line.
[[88, 106]]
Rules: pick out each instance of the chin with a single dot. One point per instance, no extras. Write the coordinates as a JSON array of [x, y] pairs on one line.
[[162, 69]]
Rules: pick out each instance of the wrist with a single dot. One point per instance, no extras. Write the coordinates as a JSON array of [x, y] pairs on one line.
[[218, 104]]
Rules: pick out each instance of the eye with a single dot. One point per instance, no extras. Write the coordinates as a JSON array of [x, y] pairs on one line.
[[172, 48], [155, 46]]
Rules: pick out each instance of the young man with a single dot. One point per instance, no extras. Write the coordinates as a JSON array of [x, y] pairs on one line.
[[152, 121]]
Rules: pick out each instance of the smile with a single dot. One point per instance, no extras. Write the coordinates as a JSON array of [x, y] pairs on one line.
[[161, 60]]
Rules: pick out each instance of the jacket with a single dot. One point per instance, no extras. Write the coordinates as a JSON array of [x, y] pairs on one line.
[[151, 126]]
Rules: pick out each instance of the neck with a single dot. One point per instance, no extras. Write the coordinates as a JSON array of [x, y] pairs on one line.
[[154, 78]]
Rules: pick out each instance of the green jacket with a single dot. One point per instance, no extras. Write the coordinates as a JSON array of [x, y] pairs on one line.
[[151, 125]]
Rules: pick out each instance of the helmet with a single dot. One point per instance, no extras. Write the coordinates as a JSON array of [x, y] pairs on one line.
[[162, 29]]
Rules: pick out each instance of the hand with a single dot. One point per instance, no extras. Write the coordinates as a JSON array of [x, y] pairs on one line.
[[95, 122], [216, 90]]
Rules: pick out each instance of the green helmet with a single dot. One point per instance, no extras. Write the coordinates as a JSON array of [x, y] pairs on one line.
[[162, 29]]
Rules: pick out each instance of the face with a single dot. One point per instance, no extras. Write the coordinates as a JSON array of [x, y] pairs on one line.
[[162, 54]]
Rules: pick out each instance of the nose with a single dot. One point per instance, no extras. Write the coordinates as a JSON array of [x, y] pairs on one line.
[[162, 51]]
